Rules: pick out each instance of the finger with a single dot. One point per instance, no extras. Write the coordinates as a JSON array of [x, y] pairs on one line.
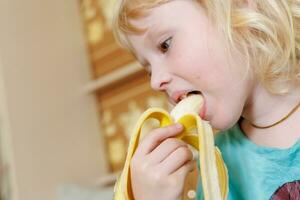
[[164, 149], [180, 175], [176, 160], [186, 168], [194, 151], [153, 139]]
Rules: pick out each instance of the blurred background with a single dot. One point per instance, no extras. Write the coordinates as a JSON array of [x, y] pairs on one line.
[[69, 96]]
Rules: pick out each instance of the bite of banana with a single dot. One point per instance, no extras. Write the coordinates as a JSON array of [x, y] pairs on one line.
[[214, 175]]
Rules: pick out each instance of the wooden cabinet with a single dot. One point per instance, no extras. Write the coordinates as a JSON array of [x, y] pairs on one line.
[[121, 87], [119, 83]]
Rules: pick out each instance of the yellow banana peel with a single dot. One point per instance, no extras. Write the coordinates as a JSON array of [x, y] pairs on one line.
[[214, 175]]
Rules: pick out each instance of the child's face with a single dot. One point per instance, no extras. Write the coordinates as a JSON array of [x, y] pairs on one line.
[[183, 52]]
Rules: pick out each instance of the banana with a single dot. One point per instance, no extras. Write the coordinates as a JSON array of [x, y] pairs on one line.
[[214, 175]]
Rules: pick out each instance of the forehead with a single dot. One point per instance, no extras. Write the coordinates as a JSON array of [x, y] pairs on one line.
[[178, 16], [169, 12], [173, 14]]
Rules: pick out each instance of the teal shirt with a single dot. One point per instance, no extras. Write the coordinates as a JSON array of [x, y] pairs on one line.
[[257, 172]]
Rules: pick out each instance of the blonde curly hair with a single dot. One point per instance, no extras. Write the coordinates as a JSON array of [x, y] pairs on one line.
[[266, 32]]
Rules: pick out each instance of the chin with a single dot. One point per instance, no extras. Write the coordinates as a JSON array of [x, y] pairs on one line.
[[223, 124]]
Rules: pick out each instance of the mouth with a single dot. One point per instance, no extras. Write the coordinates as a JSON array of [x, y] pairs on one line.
[[186, 94], [202, 111], [194, 92]]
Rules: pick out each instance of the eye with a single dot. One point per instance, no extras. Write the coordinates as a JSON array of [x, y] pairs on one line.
[[165, 45]]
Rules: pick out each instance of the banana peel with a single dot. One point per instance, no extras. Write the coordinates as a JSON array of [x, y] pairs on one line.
[[214, 175]]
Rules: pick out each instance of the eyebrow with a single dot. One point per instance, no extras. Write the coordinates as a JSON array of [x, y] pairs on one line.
[[153, 31]]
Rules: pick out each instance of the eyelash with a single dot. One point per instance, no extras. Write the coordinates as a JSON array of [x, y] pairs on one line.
[[165, 45]]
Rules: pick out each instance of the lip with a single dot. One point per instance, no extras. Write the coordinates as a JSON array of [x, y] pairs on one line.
[[175, 96], [202, 112]]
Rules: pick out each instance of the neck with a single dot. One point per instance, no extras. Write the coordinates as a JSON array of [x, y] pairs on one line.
[[264, 108]]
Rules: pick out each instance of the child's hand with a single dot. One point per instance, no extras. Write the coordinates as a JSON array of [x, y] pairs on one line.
[[160, 165]]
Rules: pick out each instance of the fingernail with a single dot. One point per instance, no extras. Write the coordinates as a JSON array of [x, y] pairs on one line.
[[178, 126]]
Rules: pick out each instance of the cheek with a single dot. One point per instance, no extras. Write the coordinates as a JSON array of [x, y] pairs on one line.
[[204, 73], [189, 65], [197, 63], [204, 64], [222, 86]]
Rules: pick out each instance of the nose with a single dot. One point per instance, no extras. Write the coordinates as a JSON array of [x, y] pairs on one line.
[[160, 78]]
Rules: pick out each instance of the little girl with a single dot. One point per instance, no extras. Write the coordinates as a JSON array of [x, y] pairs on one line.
[[243, 56]]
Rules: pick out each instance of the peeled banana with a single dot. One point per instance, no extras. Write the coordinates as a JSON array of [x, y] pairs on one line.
[[214, 175]]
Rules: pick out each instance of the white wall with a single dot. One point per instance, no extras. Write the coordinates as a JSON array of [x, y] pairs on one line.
[[53, 128]]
